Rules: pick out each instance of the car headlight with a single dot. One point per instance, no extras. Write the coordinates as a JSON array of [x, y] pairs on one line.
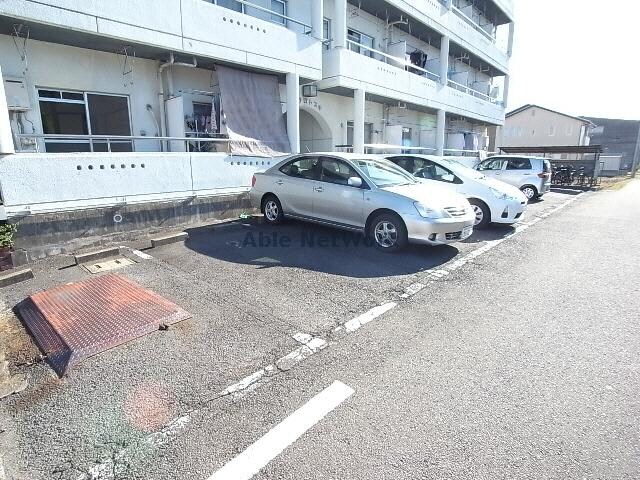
[[502, 195], [427, 212]]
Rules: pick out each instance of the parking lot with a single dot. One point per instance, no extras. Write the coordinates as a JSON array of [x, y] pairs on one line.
[[250, 288]]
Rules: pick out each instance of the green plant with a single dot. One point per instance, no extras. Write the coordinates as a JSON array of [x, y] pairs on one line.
[[7, 231]]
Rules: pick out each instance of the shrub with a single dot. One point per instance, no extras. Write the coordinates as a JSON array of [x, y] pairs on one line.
[[7, 231]]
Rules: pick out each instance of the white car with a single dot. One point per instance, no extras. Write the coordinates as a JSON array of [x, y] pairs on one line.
[[363, 193], [493, 201]]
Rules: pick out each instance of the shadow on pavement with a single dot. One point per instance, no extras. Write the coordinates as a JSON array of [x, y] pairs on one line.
[[570, 189], [311, 247], [494, 231]]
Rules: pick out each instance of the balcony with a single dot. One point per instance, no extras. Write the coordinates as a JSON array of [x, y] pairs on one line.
[[432, 15], [395, 79], [259, 38]]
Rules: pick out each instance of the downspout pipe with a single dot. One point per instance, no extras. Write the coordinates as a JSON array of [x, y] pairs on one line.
[[171, 63]]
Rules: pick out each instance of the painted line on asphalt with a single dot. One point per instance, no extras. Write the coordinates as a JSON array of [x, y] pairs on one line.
[[361, 320], [137, 253], [275, 441]]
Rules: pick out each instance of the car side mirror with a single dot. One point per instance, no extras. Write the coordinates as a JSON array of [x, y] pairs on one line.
[[355, 182]]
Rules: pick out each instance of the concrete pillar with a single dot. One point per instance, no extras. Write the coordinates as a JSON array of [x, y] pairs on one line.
[[440, 129], [505, 90], [317, 16], [6, 138], [444, 60], [293, 111], [358, 121], [510, 42], [339, 25]]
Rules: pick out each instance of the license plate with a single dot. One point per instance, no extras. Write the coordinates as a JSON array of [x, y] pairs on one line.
[[467, 231]]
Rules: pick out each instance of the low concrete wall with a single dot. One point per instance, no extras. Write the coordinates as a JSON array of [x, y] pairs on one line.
[[34, 183], [68, 232], [65, 202]]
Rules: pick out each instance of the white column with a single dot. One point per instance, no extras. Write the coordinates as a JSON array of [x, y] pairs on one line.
[[440, 128], [339, 26], [317, 16], [293, 111], [6, 139], [510, 42], [505, 91], [358, 121], [444, 59]]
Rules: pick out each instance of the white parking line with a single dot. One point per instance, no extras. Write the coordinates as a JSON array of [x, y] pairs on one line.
[[355, 323], [276, 440]]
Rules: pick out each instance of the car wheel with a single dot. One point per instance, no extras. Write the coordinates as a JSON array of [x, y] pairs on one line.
[[389, 232], [272, 209], [529, 192], [482, 213]]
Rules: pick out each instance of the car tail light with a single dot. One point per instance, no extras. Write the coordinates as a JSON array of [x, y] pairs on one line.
[[543, 175], [253, 181]]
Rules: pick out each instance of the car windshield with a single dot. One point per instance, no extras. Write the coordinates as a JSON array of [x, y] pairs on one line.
[[461, 169], [384, 173]]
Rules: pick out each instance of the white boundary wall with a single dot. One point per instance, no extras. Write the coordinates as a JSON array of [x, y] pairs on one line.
[[41, 183]]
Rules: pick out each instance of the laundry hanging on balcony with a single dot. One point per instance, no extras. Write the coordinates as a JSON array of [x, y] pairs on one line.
[[252, 113]]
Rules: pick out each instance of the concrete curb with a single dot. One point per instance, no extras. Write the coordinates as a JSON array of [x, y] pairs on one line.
[[167, 239], [13, 277], [96, 255]]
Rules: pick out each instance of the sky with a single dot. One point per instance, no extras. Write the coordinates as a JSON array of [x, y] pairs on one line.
[[579, 57]]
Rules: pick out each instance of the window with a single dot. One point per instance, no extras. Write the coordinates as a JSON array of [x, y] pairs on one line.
[[326, 33], [518, 164], [552, 130], [278, 7], [384, 173], [336, 171], [305, 167], [491, 164], [79, 113], [361, 39], [368, 133], [432, 171]]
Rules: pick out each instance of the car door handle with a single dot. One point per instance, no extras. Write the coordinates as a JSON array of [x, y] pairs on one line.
[[319, 189], [279, 182]]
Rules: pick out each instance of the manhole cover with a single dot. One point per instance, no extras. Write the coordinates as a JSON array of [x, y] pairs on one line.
[[75, 321], [108, 265]]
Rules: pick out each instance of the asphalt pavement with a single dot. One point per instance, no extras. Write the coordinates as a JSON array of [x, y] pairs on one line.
[[511, 355]]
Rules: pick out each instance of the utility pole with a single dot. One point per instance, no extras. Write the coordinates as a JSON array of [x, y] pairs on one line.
[[636, 156]]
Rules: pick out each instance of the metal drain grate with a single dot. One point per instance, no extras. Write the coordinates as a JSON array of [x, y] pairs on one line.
[[72, 322]]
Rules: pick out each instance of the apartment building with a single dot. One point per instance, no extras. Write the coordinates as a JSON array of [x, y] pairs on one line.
[[123, 104], [536, 126]]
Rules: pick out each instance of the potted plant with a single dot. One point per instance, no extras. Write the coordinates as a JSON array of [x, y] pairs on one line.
[[7, 231]]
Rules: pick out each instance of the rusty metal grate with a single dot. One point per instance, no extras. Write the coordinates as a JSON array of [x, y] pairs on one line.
[[75, 321]]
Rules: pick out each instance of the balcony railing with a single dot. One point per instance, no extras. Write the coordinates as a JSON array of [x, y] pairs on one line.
[[471, 91], [473, 24], [272, 16], [396, 61], [28, 142]]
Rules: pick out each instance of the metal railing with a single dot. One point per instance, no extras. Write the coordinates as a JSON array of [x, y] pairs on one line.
[[95, 143], [285, 19], [397, 60], [471, 91], [473, 24]]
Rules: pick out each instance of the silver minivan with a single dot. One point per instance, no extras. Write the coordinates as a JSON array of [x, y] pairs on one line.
[[532, 175]]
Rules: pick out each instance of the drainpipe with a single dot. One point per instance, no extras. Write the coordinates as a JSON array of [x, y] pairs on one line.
[[6, 137], [171, 63]]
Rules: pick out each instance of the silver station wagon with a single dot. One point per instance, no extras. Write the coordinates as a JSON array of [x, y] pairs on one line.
[[364, 193]]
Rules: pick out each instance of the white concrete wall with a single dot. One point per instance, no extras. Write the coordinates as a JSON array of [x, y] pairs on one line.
[[348, 69], [189, 26], [37, 183], [69, 68]]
